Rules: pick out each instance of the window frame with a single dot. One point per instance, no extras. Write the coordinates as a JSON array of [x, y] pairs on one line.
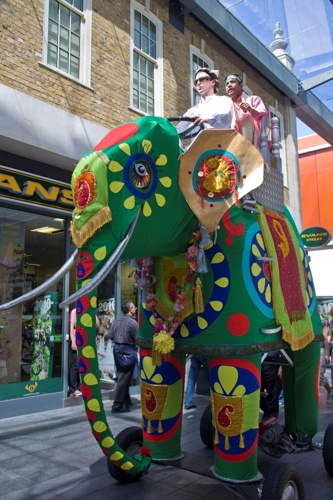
[[194, 51], [275, 112], [158, 61], [85, 41]]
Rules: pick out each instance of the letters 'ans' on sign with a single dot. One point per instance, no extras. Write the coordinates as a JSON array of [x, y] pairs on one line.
[[22, 186], [316, 237]]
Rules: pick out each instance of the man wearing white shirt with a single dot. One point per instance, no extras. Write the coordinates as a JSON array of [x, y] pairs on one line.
[[213, 111]]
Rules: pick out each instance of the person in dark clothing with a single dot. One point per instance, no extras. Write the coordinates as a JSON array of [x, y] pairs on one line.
[[197, 361], [272, 383], [124, 332]]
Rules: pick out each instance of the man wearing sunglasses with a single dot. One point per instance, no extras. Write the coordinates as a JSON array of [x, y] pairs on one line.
[[213, 111]]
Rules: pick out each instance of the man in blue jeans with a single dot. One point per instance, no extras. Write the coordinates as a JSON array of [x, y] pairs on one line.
[[197, 361]]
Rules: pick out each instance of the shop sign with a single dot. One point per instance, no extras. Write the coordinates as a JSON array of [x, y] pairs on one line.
[[22, 186], [316, 237]]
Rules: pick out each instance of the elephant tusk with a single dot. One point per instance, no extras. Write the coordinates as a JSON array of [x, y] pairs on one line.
[[94, 282], [44, 287]]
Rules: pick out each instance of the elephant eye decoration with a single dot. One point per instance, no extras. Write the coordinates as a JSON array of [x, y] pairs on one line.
[[141, 175]]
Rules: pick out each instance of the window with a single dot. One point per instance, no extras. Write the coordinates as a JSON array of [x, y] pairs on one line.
[[68, 37], [30, 333], [274, 113], [198, 60], [146, 61]]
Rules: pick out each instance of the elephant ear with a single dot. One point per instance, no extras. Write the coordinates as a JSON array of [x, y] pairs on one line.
[[90, 189], [219, 167]]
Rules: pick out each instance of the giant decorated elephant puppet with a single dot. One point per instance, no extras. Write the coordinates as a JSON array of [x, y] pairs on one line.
[[214, 279]]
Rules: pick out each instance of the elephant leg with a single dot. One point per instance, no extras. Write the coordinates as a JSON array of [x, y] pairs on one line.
[[235, 391], [162, 389], [301, 390]]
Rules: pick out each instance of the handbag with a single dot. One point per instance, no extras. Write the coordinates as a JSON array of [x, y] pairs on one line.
[[126, 355]]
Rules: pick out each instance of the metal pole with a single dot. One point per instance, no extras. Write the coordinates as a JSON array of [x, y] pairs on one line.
[[65, 315], [118, 290]]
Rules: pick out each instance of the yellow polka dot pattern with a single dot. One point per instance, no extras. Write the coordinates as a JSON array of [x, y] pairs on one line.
[[94, 405]]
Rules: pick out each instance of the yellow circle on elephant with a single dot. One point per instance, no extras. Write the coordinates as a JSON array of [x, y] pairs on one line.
[[100, 253], [184, 331], [202, 323], [88, 352], [127, 466], [90, 379], [99, 426], [93, 302], [222, 282], [116, 456], [218, 257], [86, 320], [94, 405], [107, 442], [216, 305]]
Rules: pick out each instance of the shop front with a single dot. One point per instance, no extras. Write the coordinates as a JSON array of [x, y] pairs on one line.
[[34, 243]]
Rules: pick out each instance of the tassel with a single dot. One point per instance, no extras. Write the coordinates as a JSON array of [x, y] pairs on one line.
[[201, 261], [156, 357], [198, 300], [149, 261], [150, 429], [216, 438], [160, 428], [241, 441], [226, 443]]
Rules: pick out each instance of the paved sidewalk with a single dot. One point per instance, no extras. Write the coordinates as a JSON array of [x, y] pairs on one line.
[[53, 456]]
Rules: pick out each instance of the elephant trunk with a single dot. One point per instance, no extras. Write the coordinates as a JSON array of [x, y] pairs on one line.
[[89, 260], [44, 287]]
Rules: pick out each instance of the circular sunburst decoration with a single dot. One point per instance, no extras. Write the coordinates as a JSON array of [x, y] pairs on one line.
[[140, 175], [216, 175]]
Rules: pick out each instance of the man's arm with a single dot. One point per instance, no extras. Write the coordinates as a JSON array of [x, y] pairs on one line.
[[110, 332], [256, 107], [72, 326], [326, 344]]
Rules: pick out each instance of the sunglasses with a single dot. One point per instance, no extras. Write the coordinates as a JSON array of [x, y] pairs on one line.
[[202, 79]]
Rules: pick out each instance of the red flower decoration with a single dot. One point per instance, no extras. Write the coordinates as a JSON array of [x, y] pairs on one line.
[[145, 451]]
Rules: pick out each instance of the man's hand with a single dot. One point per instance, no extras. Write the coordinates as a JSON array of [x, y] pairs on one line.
[[246, 107], [198, 120]]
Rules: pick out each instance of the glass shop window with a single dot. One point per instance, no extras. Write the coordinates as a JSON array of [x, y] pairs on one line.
[[31, 251]]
